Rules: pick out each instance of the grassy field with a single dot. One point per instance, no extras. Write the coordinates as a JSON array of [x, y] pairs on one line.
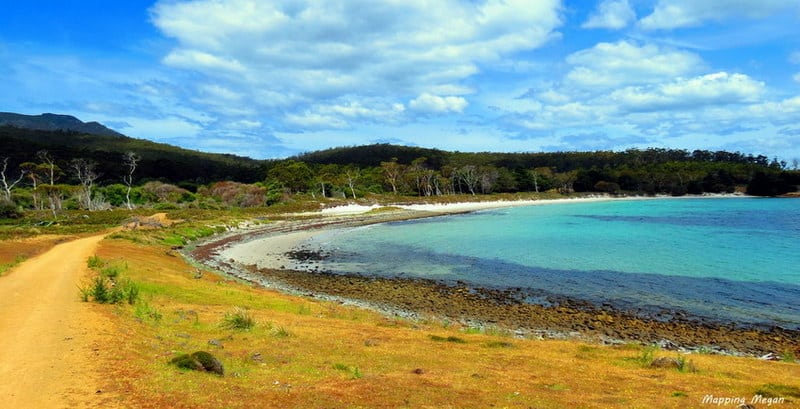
[[283, 351]]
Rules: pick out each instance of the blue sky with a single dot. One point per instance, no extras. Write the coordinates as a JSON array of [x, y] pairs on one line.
[[269, 79]]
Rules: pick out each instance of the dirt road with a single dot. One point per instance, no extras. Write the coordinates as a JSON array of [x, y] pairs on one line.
[[49, 340]]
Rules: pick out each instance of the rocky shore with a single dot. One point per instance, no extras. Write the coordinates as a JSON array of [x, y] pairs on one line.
[[501, 310]]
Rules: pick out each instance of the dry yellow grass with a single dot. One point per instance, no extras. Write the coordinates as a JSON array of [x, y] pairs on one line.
[[316, 354]]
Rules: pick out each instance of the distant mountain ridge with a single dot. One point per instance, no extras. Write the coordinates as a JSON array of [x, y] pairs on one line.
[[55, 122], [66, 138]]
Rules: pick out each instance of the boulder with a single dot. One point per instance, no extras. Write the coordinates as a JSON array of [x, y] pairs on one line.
[[199, 361]]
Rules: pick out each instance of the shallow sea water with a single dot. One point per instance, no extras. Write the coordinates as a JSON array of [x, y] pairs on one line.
[[726, 259]]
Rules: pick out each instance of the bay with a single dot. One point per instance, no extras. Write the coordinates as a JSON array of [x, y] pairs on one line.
[[726, 259]]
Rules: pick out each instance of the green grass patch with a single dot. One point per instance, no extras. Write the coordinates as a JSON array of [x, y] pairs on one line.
[[354, 372], [279, 332], [453, 339], [95, 262], [772, 390], [146, 312], [499, 344], [108, 287], [788, 356], [646, 356], [8, 266], [238, 319]]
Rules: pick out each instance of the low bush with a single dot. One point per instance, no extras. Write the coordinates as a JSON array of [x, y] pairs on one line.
[[107, 287], [199, 361], [239, 319]]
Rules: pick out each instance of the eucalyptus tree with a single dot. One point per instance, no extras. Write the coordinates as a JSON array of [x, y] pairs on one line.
[[9, 182], [86, 173], [130, 159]]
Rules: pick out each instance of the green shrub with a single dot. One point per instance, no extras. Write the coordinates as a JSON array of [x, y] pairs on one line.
[[354, 371], [788, 356], [105, 291], [95, 262], [100, 291], [111, 272], [280, 332], [132, 292], [239, 319], [9, 210], [145, 311], [647, 356]]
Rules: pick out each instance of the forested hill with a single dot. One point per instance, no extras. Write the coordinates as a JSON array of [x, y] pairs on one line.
[[374, 155], [158, 161], [648, 171], [383, 168], [55, 122]]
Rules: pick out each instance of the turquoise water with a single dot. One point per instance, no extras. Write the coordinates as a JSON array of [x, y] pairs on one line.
[[729, 259]]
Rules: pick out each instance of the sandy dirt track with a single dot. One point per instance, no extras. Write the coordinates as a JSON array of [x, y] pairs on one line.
[[50, 341]]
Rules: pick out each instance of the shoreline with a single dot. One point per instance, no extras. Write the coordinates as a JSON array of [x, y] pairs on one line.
[[485, 308], [280, 245]]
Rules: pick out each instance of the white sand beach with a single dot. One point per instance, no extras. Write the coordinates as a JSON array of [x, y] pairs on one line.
[[270, 251], [463, 207]]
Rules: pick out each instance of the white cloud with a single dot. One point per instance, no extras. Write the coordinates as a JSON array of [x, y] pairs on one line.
[[246, 124], [553, 97], [611, 14], [298, 56], [342, 115], [202, 61], [670, 14], [161, 129], [614, 64], [782, 112], [220, 92], [713, 89], [428, 103], [315, 120]]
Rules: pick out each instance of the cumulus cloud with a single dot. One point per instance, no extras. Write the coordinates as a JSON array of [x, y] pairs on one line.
[[719, 88], [429, 103], [202, 61], [784, 112], [305, 54], [163, 128], [613, 64], [611, 14], [340, 115], [670, 14], [646, 91]]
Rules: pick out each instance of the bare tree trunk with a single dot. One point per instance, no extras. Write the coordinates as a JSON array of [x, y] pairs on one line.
[[44, 156], [131, 159], [6, 186], [352, 175], [86, 174]]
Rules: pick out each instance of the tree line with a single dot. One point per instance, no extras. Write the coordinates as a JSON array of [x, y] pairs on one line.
[[47, 180]]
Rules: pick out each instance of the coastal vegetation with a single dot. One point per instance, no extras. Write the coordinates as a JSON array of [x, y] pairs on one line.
[[61, 170]]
